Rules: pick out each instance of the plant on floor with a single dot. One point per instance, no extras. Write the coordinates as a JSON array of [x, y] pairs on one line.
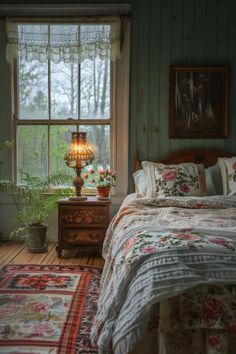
[[34, 204]]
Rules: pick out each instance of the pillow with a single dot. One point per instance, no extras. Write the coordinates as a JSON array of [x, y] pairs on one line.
[[173, 180], [228, 173], [140, 182], [202, 179], [214, 184]]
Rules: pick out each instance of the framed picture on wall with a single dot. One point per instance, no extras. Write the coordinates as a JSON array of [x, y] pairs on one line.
[[198, 102]]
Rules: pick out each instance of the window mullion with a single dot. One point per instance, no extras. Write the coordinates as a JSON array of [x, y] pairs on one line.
[[113, 131], [15, 118], [64, 122], [78, 107], [49, 103]]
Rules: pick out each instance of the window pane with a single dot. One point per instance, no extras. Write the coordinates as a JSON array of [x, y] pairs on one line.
[[99, 137], [95, 89], [32, 150], [60, 139], [64, 90], [64, 76], [33, 90]]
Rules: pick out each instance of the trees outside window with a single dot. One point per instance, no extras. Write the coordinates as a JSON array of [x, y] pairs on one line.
[[53, 100]]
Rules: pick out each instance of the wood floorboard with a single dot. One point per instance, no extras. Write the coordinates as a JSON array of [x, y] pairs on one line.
[[12, 252], [51, 255], [9, 251]]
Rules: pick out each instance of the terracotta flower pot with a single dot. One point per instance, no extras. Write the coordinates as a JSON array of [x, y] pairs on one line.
[[103, 192]]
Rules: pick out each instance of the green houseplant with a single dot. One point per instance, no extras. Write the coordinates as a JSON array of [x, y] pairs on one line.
[[34, 205]]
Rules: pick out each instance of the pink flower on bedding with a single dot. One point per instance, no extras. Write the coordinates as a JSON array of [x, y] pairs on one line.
[[230, 327], [234, 166], [213, 341], [148, 249], [184, 188], [129, 244], [189, 237], [199, 205], [212, 309], [220, 241], [169, 175]]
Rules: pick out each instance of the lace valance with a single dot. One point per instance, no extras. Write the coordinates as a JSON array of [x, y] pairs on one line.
[[67, 42]]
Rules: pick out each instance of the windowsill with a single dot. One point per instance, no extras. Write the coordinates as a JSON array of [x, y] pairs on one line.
[[116, 198]]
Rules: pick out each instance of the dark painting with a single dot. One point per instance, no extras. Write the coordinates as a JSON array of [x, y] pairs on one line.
[[198, 102]]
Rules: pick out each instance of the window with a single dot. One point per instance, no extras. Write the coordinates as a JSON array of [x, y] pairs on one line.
[[53, 99]]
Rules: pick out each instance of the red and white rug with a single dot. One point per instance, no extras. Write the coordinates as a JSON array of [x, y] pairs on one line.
[[47, 308]]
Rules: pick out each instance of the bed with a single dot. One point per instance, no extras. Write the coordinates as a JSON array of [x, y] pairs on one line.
[[169, 280]]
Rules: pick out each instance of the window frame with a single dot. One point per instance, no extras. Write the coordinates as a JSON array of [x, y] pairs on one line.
[[118, 121]]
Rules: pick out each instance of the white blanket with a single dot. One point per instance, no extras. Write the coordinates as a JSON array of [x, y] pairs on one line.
[[154, 250]]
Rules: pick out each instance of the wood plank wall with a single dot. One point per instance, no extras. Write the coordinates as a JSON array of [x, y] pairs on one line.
[[182, 32]]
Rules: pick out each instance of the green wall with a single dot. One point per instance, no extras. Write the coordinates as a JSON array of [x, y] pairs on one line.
[[163, 32], [182, 32]]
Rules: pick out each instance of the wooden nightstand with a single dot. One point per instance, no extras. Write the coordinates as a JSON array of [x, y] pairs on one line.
[[82, 223]]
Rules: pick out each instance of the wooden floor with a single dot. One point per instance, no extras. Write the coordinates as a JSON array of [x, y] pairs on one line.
[[12, 252]]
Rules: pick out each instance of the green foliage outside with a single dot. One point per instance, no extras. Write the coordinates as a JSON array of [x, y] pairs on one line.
[[34, 154]]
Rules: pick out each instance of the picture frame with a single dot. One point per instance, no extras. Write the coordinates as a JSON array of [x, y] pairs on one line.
[[198, 102]]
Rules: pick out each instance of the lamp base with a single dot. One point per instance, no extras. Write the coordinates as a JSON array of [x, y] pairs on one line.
[[82, 197]]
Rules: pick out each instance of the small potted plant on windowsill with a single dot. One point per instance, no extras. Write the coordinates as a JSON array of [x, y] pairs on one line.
[[34, 205], [103, 179]]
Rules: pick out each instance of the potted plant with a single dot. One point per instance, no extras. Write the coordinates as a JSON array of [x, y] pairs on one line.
[[103, 179], [33, 206]]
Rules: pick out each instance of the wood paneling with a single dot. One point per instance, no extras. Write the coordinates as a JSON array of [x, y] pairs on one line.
[[165, 32]]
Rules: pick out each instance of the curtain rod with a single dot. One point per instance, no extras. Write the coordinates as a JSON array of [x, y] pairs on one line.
[[64, 9], [66, 19]]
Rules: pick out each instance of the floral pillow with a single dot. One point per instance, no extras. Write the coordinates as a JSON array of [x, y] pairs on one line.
[[228, 172], [186, 179]]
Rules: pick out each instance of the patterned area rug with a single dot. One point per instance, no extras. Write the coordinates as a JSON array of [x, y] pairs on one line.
[[47, 308]]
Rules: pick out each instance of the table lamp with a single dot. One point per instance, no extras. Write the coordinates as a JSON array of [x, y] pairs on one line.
[[79, 155]]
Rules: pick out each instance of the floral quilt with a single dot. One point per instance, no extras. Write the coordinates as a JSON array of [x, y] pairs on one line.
[[156, 249]]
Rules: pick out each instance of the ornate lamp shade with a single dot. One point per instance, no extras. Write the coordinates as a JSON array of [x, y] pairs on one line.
[[79, 155]]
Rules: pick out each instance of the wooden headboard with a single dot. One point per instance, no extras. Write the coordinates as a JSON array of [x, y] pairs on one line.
[[207, 157]]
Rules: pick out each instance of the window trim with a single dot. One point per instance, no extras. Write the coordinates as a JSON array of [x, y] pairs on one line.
[[119, 89]]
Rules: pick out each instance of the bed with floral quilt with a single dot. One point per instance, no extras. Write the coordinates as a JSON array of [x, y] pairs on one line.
[[169, 281]]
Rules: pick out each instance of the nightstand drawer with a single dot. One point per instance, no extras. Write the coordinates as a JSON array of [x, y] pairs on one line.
[[83, 216], [83, 236]]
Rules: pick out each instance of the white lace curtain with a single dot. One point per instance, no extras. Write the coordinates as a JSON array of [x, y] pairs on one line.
[[67, 42]]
